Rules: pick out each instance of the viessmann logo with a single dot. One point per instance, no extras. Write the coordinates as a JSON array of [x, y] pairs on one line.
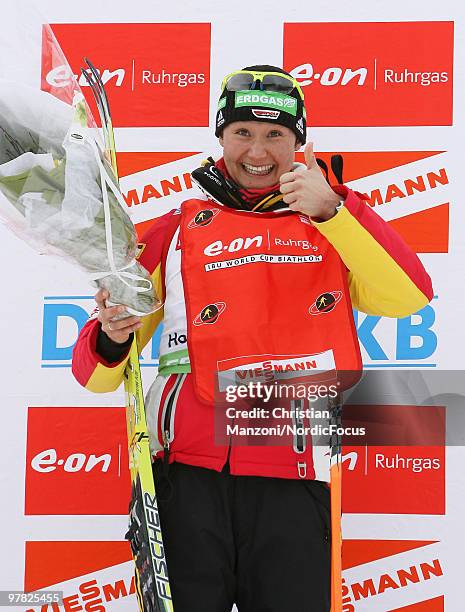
[[411, 190], [91, 574], [392, 574], [145, 73], [254, 368], [76, 461], [354, 76]]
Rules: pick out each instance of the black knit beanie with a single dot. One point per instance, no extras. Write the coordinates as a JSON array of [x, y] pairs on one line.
[[259, 105]]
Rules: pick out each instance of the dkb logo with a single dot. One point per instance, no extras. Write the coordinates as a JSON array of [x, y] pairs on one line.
[[63, 319]]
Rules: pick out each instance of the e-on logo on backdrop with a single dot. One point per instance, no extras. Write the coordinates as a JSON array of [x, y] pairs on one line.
[[353, 74], [401, 467], [76, 461], [149, 70]]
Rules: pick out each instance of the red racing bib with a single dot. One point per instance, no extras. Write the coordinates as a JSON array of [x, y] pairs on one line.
[[266, 296]]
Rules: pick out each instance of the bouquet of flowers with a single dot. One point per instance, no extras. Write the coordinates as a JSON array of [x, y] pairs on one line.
[[59, 193]]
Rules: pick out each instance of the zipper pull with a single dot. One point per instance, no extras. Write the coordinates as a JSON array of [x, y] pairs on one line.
[[166, 452], [302, 469]]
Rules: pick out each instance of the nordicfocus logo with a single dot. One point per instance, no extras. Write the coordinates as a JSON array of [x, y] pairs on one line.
[[72, 467], [265, 114], [349, 66], [275, 100], [142, 76]]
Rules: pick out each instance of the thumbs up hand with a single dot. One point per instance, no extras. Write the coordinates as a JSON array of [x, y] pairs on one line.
[[310, 160], [306, 190]]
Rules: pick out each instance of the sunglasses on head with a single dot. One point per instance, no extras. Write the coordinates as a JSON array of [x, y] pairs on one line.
[[243, 80]]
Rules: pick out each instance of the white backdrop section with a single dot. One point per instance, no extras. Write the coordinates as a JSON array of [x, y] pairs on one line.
[[242, 33]]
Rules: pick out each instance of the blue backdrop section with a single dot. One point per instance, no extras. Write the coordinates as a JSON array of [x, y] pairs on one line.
[[415, 339], [73, 315]]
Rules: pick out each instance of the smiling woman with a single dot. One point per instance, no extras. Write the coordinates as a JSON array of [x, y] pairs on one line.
[[257, 292], [256, 154]]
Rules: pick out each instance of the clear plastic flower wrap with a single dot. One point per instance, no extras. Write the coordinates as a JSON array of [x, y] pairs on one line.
[[59, 193]]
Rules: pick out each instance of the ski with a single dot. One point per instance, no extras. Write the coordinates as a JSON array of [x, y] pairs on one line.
[[335, 408], [144, 534], [92, 77]]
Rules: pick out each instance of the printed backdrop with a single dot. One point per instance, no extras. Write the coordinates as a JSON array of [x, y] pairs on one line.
[[384, 86]]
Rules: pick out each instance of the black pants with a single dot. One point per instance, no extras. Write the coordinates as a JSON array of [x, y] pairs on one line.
[[262, 543]]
